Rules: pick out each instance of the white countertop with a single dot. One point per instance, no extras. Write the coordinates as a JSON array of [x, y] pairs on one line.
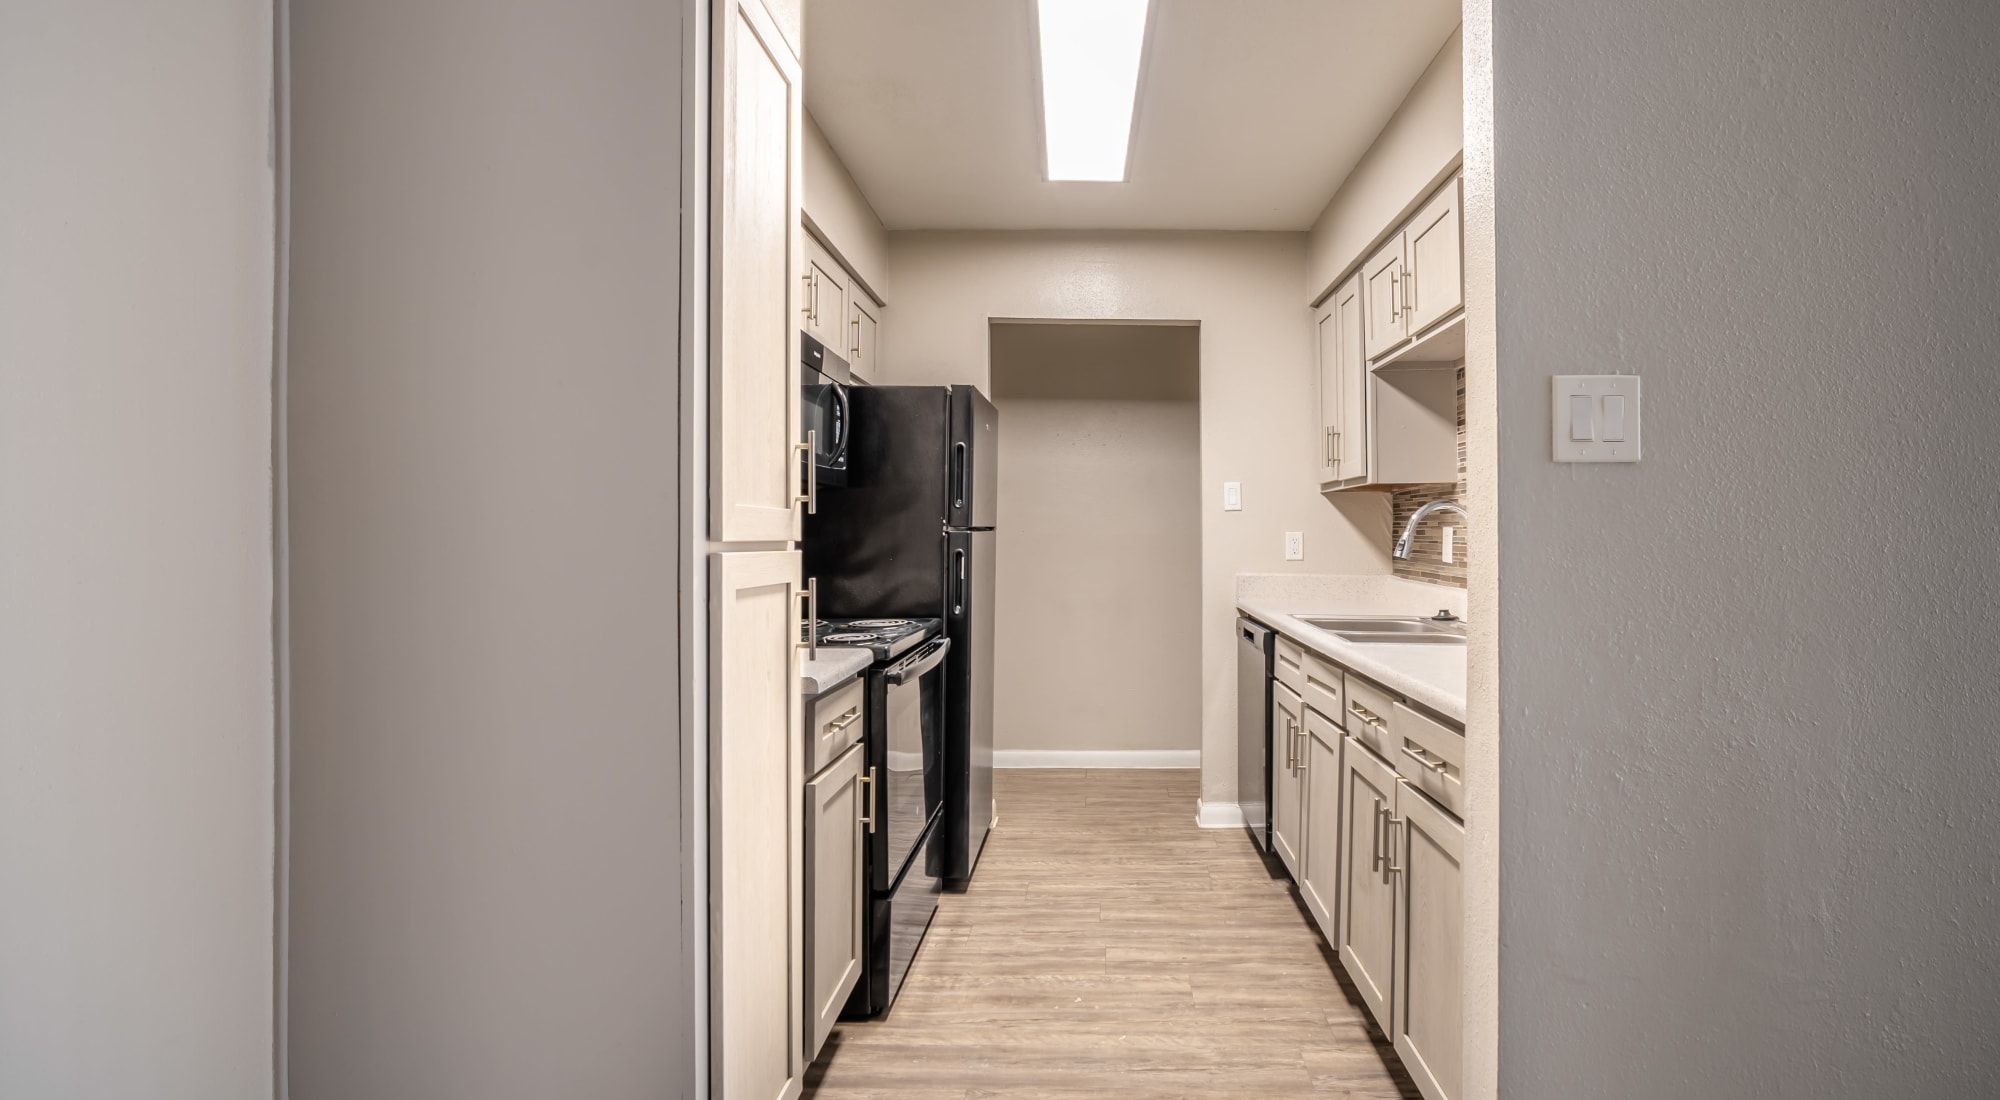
[[1430, 675], [835, 665]]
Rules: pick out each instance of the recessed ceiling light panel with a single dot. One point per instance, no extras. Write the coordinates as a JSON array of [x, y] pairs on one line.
[[1090, 77]]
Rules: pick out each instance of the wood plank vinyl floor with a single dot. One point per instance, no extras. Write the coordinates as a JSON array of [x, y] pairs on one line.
[[1109, 948]]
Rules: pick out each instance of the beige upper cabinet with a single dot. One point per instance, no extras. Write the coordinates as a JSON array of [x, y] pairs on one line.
[[1436, 261], [1343, 389], [1287, 792], [1386, 323], [864, 333], [1326, 329], [824, 289], [1431, 916], [757, 1017], [757, 470], [1319, 864], [1365, 921]]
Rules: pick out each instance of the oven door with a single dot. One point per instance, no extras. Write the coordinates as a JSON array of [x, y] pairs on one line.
[[910, 774]]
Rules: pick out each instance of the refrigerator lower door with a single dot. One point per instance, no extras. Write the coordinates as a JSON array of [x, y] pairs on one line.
[[968, 795]]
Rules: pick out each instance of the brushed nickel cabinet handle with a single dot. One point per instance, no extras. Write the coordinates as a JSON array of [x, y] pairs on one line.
[[855, 351], [1376, 840], [1389, 824], [809, 498], [868, 798], [806, 295], [809, 601], [1410, 291], [840, 724]]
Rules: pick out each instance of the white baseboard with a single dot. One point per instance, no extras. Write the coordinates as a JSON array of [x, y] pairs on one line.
[[1097, 758], [1218, 815]]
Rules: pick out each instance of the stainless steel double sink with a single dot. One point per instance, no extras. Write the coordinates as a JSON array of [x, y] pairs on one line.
[[1387, 631]]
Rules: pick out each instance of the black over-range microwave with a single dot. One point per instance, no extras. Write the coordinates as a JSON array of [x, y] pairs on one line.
[[823, 380]]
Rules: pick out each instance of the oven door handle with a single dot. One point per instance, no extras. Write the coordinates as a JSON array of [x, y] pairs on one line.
[[917, 664]]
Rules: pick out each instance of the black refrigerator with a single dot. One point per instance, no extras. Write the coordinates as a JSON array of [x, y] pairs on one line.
[[912, 534]]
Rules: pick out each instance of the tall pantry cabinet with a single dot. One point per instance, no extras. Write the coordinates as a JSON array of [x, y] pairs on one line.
[[757, 486]]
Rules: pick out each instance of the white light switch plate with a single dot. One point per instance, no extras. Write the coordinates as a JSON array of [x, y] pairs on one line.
[[1232, 496], [1581, 431], [1295, 546]]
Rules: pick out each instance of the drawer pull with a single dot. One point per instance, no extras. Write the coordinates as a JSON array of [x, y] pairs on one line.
[[1365, 714], [841, 723], [1423, 756]]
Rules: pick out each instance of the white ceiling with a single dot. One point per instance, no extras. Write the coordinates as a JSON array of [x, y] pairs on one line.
[[1250, 112]]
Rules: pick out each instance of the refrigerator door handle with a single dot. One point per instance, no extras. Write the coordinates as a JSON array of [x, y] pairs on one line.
[[958, 584], [958, 475]]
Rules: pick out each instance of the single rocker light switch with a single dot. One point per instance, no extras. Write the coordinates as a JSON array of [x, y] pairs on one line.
[[1581, 416], [1614, 418]]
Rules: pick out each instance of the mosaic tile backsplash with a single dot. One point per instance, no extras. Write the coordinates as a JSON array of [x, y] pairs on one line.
[[1427, 551]]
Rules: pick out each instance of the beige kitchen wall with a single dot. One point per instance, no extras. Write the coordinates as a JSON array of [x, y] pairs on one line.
[[1258, 421], [1418, 147], [137, 236], [835, 208], [1098, 620]]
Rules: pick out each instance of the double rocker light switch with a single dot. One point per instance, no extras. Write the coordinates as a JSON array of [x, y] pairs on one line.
[[1596, 418]]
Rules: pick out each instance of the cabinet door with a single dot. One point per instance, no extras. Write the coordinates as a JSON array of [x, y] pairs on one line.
[[1287, 809], [1437, 268], [833, 808], [1385, 325], [1430, 938], [755, 242], [1350, 432], [864, 332], [789, 15], [1365, 924], [757, 1009], [1326, 327], [1319, 864], [825, 290]]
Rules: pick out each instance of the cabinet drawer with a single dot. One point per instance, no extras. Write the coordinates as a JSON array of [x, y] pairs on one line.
[[1289, 664], [833, 722], [1431, 757], [1323, 689], [1369, 712]]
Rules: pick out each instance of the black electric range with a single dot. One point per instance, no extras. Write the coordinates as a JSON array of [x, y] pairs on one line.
[[903, 748], [885, 638]]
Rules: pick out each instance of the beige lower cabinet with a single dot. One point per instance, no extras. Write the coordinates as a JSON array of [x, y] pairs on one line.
[[755, 774], [1430, 937], [1319, 864], [834, 823], [1287, 792], [1365, 914]]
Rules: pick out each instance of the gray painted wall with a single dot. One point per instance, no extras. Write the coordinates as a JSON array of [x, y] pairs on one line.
[[136, 236], [1098, 621], [1747, 687], [486, 810]]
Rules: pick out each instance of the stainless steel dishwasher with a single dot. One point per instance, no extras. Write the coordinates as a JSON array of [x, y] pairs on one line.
[[1253, 728]]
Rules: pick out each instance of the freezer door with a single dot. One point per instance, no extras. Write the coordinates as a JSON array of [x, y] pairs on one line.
[[975, 459], [875, 545], [969, 699]]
